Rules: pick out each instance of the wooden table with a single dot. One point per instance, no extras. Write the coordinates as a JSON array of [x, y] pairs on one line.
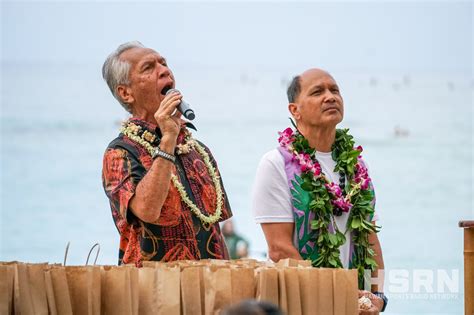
[[468, 266]]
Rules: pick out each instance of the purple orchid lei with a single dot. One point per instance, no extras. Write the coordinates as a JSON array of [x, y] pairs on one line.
[[330, 200], [309, 164]]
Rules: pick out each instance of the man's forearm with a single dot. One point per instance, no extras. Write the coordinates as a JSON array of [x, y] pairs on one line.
[[374, 240], [152, 190]]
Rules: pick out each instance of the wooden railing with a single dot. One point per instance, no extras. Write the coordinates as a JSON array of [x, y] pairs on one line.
[[468, 266]]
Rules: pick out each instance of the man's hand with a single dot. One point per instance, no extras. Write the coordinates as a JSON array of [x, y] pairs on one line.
[[152, 190], [168, 123], [377, 303], [371, 311], [279, 238]]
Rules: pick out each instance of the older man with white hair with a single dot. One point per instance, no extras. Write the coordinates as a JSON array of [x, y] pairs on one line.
[[164, 187]]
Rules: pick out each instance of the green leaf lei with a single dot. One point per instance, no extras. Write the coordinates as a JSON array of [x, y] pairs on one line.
[[322, 201]]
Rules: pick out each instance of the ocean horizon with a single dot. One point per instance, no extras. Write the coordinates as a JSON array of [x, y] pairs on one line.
[[416, 130]]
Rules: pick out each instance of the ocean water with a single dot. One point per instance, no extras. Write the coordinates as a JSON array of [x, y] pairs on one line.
[[57, 119]]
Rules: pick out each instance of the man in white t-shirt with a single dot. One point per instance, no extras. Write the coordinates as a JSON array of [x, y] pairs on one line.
[[278, 206]]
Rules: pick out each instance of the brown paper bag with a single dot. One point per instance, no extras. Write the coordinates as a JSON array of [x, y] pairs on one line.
[[159, 290], [325, 288], [290, 262], [169, 295], [293, 294], [192, 290], [84, 287], [119, 290], [29, 289], [169, 291], [150, 264], [247, 262], [190, 263], [134, 288], [217, 286], [282, 296], [352, 289], [215, 262], [7, 276], [57, 291], [267, 284], [147, 290], [345, 292], [308, 281], [242, 283]]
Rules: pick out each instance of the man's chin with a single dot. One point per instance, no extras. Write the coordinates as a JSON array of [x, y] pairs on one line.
[[332, 111], [333, 118]]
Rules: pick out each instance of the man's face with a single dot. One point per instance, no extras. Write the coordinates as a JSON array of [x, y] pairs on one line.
[[319, 103], [149, 75]]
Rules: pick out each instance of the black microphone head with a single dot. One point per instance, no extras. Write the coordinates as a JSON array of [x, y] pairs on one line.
[[189, 114], [167, 90]]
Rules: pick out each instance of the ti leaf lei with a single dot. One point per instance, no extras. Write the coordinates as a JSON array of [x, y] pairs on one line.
[[328, 199]]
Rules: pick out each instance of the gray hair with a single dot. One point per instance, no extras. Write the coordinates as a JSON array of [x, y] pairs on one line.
[[294, 89], [115, 71]]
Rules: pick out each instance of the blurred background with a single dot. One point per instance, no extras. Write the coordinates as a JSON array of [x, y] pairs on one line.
[[405, 70]]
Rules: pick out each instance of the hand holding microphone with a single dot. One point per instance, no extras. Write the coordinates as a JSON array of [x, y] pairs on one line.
[[183, 107]]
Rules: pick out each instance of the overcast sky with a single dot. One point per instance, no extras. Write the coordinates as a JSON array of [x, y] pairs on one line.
[[390, 36]]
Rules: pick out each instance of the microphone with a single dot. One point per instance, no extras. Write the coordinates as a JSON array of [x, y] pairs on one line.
[[183, 107]]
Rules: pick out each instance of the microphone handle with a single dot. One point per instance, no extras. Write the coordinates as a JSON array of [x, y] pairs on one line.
[[184, 107], [186, 110]]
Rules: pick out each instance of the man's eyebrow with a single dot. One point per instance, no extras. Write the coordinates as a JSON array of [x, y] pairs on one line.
[[145, 61], [315, 87]]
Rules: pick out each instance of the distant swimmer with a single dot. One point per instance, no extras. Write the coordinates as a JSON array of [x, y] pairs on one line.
[[373, 81], [451, 85], [400, 132], [406, 80]]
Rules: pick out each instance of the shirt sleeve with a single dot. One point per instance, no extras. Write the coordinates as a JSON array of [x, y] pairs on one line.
[[119, 178], [375, 216], [271, 199]]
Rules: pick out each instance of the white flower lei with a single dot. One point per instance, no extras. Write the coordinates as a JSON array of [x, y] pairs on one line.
[[186, 147], [131, 130]]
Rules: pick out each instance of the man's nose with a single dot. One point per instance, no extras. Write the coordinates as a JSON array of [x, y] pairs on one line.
[[163, 71], [329, 96]]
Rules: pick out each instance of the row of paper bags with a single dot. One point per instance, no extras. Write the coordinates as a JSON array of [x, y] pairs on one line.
[[184, 287]]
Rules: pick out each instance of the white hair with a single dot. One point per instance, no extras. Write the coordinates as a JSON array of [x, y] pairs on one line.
[[115, 71]]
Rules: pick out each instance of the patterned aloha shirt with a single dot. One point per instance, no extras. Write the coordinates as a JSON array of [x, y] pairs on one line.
[[178, 234]]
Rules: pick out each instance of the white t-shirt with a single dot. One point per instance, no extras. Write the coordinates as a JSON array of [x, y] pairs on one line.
[[272, 201]]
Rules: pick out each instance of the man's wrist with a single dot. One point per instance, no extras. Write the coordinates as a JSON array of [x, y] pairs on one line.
[[164, 155], [168, 144], [383, 297]]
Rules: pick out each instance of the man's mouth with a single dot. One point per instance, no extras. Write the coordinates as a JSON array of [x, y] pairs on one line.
[[331, 108], [166, 88]]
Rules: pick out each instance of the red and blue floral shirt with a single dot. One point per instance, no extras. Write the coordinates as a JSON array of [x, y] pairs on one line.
[[178, 234]]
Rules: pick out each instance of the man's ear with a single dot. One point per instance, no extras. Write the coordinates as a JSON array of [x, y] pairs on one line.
[[293, 108], [125, 93]]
